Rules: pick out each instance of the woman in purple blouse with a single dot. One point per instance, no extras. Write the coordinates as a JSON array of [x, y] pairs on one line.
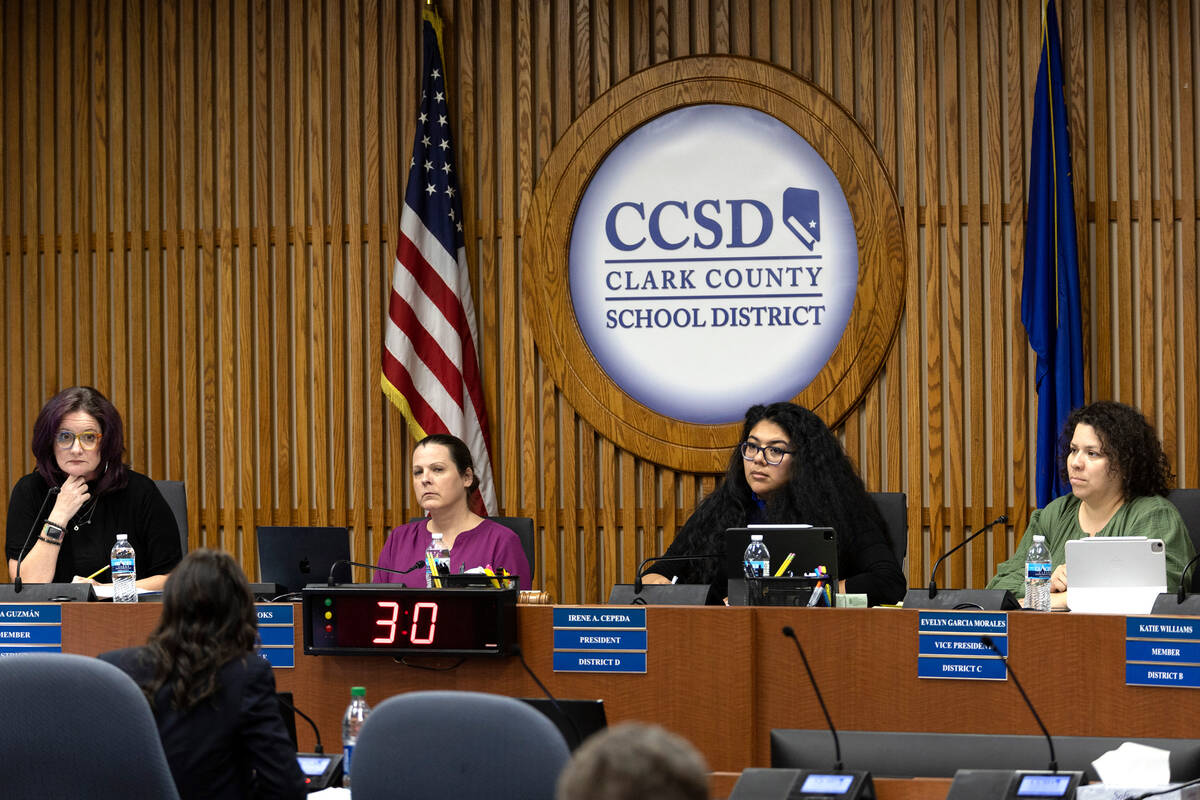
[[443, 477]]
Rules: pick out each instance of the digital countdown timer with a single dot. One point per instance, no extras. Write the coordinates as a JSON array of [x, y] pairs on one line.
[[395, 620]]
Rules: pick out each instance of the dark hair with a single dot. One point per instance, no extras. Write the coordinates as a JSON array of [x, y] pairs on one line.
[[460, 454], [208, 619], [631, 761], [113, 472], [1134, 452], [822, 489]]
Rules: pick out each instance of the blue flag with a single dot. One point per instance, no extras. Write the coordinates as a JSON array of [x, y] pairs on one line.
[[1050, 308]]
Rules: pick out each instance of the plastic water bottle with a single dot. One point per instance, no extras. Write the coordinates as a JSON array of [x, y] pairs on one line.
[[758, 558], [124, 571], [1037, 575], [352, 722], [437, 553]]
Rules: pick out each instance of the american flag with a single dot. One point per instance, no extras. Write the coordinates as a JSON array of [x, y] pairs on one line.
[[430, 366]]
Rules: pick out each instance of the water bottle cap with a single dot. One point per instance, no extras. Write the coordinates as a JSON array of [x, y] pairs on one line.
[[756, 537], [1037, 537], [358, 691], [437, 537], [121, 537]]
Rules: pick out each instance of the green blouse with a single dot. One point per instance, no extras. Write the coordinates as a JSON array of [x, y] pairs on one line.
[[1154, 517]]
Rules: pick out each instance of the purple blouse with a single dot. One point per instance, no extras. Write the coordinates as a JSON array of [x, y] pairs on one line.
[[488, 544]]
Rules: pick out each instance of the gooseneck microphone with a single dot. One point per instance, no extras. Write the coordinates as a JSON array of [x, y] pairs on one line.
[[991, 645], [1183, 577], [317, 747], [837, 747], [333, 567], [1003, 518], [516, 650], [637, 583], [21, 553]]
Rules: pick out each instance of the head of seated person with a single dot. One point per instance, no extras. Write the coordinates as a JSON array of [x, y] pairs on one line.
[[1109, 454], [632, 761]]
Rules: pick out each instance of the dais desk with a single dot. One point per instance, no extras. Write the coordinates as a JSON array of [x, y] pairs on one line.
[[724, 677]]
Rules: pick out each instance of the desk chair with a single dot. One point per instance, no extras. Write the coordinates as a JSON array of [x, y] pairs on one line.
[[79, 728], [1188, 503], [523, 528], [893, 507], [465, 745], [175, 494]]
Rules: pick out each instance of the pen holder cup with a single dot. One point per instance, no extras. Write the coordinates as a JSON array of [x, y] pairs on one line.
[[804, 592]]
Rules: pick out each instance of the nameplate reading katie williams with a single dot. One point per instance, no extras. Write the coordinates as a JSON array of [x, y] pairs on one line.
[[600, 640], [949, 645], [1162, 651]]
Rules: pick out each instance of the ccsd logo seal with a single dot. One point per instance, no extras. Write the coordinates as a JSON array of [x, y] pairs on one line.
[[713, 263]]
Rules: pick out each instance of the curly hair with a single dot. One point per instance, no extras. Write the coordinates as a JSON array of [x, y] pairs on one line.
[[113, 472], [1134, 452], [208, 619], [634, 760], [822, 488]]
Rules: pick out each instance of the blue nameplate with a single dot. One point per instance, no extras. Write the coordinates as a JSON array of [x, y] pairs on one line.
[[31, 614], [16, 651], [279, 657], [1162, 628], [275, 613], [1162, 675], [277, 637], [1162, 652], [984, 669], [993, 623], [31, 634], [567, 661], [599, 640], [944, 646], [601, 617]]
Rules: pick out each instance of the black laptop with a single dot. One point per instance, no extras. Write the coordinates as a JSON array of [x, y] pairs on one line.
[[293, 557], [813, 551]]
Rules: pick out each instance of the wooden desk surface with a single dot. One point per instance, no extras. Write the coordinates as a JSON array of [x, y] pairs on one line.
[[724, 677]]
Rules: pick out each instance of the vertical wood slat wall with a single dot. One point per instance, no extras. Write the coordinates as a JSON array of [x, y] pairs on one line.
[[198, 206]]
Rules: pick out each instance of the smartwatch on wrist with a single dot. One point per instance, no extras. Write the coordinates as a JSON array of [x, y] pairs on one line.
[[51, 533]]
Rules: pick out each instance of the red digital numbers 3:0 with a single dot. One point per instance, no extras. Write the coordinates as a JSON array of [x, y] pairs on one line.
[[389, 623]]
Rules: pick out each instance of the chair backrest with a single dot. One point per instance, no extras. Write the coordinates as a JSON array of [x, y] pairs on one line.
[[175, 494], [85, 730], [893, 506], [523, 528], [464, 745], [1188, 503]]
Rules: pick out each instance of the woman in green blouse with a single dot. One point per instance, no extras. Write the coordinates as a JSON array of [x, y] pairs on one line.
[[1119, 480]]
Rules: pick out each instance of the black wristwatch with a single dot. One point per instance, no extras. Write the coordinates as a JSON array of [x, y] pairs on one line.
[[51, 533]]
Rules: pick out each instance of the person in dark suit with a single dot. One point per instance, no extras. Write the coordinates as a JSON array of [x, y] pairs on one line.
[[213, 696]]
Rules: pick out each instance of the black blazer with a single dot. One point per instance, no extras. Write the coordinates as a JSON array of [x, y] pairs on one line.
[[233, 745]]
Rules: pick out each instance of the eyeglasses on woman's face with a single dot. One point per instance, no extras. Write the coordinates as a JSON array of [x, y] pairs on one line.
[[88, 440], [773, 454]]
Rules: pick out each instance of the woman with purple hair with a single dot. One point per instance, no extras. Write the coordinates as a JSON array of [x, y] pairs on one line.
[[64, 517]]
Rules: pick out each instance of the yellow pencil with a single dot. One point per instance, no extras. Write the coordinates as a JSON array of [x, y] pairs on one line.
[[97, 572], [786, 563]]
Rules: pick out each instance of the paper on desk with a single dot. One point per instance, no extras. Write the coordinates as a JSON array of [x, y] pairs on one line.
[[1134, 764], [106, 590]]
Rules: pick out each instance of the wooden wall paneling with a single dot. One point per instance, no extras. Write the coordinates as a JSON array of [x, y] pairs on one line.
[[628, 523], [1189, 312], [553, 575], [136, 319], [245, 166], [567, 502], [866, 111], [1166, 289], [1100, 170], [1123, 152], [157, 352], [955, 274], [375, 268], [589, 533], [996, 319], [99, 197], [359, 305], [222, 349], [336, 405], [315, 264], [1144, 267], [607, 483], [1074, 52], [42, 250], [260, 497]]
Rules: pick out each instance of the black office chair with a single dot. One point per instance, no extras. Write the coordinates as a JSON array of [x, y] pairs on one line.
[[523, 528], [465, 745], [79, 727], [175, 493], [893, 506], [1188, 503]]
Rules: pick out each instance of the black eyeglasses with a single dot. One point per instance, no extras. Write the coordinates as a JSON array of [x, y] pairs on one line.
[[772, 454]]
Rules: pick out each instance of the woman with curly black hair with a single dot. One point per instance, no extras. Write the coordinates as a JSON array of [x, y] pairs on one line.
[[213, 696], [1119, 480], [789, 468]]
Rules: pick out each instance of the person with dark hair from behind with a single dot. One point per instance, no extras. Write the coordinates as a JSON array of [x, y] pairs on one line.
[[632, 761], [1120, 479], [443, 480], [212, 695], [789, 468], [91, 494]]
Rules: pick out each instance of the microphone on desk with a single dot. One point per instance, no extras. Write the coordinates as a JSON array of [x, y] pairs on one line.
[[332, 773], [637, 583], [317, 748], [516, 650], [837, 747], [1003, 518], [333, 567], [21, 553], [991, 645]]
